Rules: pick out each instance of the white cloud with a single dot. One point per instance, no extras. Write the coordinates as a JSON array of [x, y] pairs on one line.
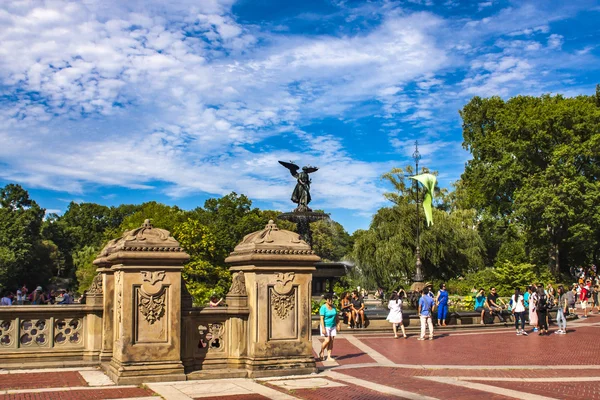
[[133, 94], [555, 41]]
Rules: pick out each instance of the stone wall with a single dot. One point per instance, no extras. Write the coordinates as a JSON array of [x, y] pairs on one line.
[[139, 324], [50, 335]]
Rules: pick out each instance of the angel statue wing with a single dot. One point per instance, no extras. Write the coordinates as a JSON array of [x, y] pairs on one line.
[[309, 169], [291, 166]]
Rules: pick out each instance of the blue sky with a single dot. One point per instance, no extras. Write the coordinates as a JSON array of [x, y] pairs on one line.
[[115, 102]]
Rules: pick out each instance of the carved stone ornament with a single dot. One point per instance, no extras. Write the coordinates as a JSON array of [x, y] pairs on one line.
[[96, 286], [152, 307], [211, 336], [153, 276], [144, 238], [284, 282], [272, 240], [238, 284], [283, 304], [119, 293]]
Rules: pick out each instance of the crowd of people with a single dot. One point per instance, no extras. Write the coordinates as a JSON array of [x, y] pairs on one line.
[[530, 306], [38, 296]]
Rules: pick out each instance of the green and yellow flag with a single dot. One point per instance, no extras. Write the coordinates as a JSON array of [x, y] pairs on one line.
[[428, 182]]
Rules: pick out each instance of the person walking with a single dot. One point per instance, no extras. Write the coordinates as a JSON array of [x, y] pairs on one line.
[[425, 306], [441, 300], [572, 299], [584, 295], [518, 310], [562, 308], [329, 326], [541, 308], [395, 315], [595, 300]]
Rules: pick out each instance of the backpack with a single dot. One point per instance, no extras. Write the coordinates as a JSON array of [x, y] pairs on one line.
[[588, 293], [542, 302]]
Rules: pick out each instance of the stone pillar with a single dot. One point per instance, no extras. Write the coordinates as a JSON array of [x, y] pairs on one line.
[[103, 285], [277, 268], [146, 318], [94, 324]]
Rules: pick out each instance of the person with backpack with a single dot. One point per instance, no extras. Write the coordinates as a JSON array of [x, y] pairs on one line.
[[541, 308], [584, 296], [518, 310]]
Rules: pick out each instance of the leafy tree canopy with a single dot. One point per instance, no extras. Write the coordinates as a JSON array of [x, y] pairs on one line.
[[385, 253], [536, 164]]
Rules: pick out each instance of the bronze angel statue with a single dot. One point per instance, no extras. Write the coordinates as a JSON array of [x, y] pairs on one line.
[[301, 194]]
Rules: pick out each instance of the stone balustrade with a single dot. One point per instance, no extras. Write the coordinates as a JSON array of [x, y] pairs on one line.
[[50, 334], [211, 342]]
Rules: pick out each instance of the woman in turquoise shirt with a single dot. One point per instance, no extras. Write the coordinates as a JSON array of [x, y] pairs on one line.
[[329, 325], [480, 303]]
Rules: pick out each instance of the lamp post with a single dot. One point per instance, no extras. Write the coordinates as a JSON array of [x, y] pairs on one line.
[[418, 277]]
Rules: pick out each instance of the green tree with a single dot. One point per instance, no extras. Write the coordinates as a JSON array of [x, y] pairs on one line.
[[161, 216], [83, 260], [330, 240], [385, 253], [203, 274], [24, 258], [536, 164]]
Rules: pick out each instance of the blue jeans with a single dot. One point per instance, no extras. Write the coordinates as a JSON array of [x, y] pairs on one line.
[[520, 317], [442, 312], [561, 320]]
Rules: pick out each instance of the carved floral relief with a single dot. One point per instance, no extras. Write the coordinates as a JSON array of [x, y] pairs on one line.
[[283, 304], [283, 296]]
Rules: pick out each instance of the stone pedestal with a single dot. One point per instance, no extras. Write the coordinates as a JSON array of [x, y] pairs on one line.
[[277, 268], [94, 327], [146, 264]]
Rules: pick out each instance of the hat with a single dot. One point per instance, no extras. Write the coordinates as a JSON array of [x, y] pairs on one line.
[[39, 288]]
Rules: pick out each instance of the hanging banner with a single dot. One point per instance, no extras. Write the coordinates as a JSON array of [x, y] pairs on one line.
[[428, 182]]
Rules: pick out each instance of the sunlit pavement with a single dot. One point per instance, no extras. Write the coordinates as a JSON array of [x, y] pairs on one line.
[[467, 364]]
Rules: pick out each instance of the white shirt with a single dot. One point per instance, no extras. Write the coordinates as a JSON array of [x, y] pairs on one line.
[[518, 305]]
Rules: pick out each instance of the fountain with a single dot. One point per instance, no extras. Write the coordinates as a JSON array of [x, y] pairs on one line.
[[302, 216]]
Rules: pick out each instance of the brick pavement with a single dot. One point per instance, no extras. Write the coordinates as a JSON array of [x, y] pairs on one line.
[[253, 396], [560, 390], [491, 349], [92, 394], [345, 392], [41, 380], [345, 353], [397, 369], [405, 379]]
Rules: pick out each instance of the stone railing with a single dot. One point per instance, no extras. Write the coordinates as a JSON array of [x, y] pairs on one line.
[[213, 341], [50, 334]]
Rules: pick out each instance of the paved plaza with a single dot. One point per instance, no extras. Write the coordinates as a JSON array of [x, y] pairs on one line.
[[490, 363]]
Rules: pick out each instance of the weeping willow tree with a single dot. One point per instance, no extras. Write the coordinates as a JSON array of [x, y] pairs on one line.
[[385, 253]]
